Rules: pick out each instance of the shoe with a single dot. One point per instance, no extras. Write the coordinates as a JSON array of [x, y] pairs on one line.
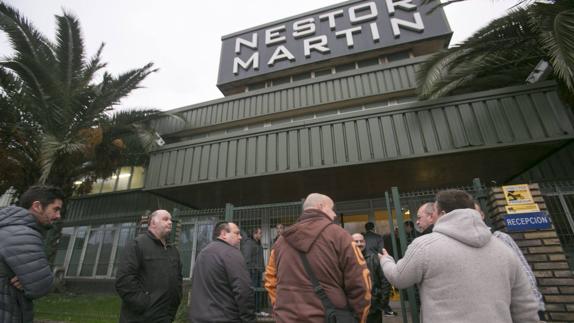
[[389, 313], [264, 314]]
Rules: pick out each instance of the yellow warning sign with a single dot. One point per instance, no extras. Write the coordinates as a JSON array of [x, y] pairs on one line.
[[522, 208], [517, 194]]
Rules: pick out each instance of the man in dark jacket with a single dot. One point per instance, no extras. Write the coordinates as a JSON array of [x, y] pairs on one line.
[[220, 285], [24, 270], [149, 276], [334, 258], [373, 241], [380, 287], [253, 253]]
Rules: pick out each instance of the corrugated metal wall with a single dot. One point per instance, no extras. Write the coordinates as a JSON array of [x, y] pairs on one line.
[[114, 208], [558, 167], [509, 116], [371, 81]]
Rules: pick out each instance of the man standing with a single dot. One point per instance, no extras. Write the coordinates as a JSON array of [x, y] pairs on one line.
[[373, 241], [253, 254], [149, 276], [380, 287], [24, 270], [426, 217], [463, 273], [337, 263], [279, 228], [220, 286]]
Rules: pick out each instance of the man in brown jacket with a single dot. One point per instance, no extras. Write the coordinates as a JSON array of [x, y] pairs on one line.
[[333, 256]]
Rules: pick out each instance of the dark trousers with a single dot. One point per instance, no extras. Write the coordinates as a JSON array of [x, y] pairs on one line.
[[255, 274], [375, 316]]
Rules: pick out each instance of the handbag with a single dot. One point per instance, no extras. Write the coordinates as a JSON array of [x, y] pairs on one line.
[[332, 314]]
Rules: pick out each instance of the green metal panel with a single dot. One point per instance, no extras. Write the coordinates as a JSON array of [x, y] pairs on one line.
[[327, 145], [444, 137], [196, 163], [204, 163], [402, 135], [272, 152], [315, 147], [251, 155], [485, 123], [232, 159], [261, 154], [389, 136], [351, 141], [363, 139], [470, 126], [531, 117], [561, 115], [223, 160], [213, 164], [304, 152], [515, 122], [414, 130], [282, 157], [456, 127], [188, 162], [499, 120], [179, 166], [477, 121], [293, 146], [428, 131], [241, 153], [376, 138]]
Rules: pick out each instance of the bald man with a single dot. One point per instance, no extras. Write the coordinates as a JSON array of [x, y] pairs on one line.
[[335, 260], [426, 217], [149, 276]]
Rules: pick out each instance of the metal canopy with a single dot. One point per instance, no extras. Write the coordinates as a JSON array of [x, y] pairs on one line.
[[369, 180]]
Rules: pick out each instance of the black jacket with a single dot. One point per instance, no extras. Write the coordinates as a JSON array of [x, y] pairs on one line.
[[373, 243], [22, 255], [253, 253], [380, 287], [149, 281], [220, 286]]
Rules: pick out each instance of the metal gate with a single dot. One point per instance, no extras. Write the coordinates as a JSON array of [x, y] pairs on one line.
[[559, 198]]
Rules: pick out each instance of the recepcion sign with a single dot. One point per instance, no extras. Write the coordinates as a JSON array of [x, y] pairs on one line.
[[527, 221], [339, 30]]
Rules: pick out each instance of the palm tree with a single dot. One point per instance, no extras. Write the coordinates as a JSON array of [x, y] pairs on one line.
[[506, 51], [56, 123], [56, 119]]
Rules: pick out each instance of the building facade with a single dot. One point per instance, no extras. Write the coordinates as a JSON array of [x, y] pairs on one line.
[[326, 102]]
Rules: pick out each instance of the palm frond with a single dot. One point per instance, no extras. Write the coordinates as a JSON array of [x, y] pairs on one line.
[[554, 24], [23, 36], [69, 50]]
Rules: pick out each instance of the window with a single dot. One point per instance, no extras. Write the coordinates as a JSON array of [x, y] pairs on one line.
[[302, 76], [368, 62], [138, 177], [77, 249], [398, 56], [63, 246], [323, 72], [345, 67], [124, 178], [127, 233]]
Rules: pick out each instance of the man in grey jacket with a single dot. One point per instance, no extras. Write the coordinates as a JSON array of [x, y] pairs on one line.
[[24, 270], [463, 273]]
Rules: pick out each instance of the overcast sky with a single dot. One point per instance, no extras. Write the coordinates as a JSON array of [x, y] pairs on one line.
[[183, 37]]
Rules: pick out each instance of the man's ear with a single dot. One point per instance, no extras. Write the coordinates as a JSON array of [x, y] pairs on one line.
[[36, 207]]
